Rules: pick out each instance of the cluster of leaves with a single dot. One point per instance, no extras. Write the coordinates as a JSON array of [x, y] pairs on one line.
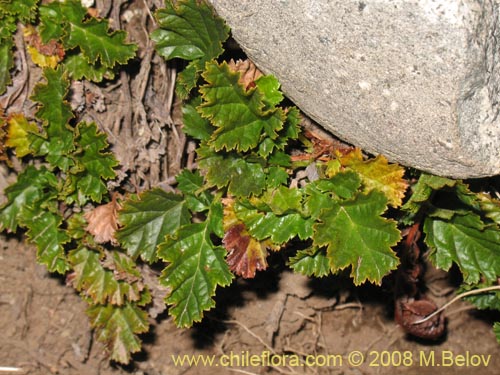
[[67, 167], [65, 33], [243, 193], [242, 198], [243, 202], [339, 216], [462, 228]]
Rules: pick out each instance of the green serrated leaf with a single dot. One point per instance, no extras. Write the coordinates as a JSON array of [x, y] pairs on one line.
[[465, 240], [270, 148], [195, 125], [51, 21], [147, 219], [78, 68], [117, 327], [343, 185], [23, 10], [466, 196], [280, 159], [275, 177], [311, 262], [292, 129], [270, 87], [276, 215], [92, 37], [31, 186], [76, 225], [238, 114], [69, 21], [44, 230], [191, 184], [187, 79], [53, 107], [125, 267], [56, 113], [356, 235], [316, 200], [100, 284], [282, 200], [215, 218], [8, 25], [94, 165], [6, 63], [423, 190], [279, 228], [196, 268], [189, 30], [242, 178], [490, 207]]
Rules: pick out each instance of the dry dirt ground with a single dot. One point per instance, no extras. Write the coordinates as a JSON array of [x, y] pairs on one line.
[[44, 329]]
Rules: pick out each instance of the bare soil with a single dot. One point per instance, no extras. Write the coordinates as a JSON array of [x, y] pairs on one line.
[[44, 329]]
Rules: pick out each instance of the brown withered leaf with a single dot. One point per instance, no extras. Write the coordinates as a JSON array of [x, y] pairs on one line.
[[52, 48], [248, 70], [246, 254], [103, 222], [410, 312], [43, 54]]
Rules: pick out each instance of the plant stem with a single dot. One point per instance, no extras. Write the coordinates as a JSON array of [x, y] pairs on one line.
[[461, 295]]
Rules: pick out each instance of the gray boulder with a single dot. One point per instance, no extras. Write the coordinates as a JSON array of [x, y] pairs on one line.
[[415, 80]]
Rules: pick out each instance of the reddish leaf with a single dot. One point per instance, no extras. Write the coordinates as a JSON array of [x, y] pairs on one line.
[[246, 254]]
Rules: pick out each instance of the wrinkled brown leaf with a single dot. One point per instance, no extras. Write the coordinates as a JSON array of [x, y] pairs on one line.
[[248, 70], [407, 313], [103, 222]]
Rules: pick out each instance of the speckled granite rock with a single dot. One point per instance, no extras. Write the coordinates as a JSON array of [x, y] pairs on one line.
[[417, 80]]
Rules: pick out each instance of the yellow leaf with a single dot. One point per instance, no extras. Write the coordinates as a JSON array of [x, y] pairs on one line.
[[352, 157], [380, 175], [17, 134], [42, 60], [332, 167], [342, 160]]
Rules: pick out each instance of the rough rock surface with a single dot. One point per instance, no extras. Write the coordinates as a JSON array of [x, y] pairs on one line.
[[416, 80]]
